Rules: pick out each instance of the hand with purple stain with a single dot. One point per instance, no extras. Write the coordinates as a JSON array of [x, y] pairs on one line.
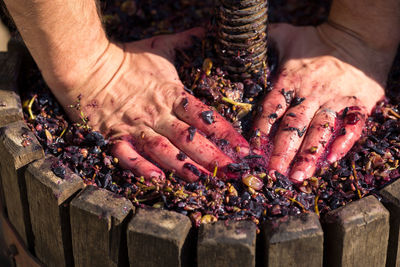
[[329, 79], [130, 92], [152, 119]]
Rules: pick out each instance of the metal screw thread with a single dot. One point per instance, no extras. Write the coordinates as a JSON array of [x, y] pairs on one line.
[[242, 35]]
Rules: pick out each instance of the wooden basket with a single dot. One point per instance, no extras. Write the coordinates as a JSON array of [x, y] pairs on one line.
[[65, 223]]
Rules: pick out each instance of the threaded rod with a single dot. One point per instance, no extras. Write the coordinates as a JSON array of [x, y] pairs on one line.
[[242, 35]]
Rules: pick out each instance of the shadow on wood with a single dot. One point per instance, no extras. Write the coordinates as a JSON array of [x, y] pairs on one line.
[[98, 227], [158, 237], [227, 244], [49, 197], [296, 242], [18, 147], [357, 234]]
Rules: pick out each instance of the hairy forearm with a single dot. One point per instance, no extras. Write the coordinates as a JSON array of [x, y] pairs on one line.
[[376, 22], [65, 38]]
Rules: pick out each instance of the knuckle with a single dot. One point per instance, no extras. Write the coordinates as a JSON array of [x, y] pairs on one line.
[[178, 94], [182, 136], [107, 127], [132, 119], [156, 143], [305, 157]]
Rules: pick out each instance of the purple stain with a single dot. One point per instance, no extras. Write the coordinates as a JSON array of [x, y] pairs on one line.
[[185, 103], [297, 101], [181, 156], [192, 168], [208, 116], [192, 131]]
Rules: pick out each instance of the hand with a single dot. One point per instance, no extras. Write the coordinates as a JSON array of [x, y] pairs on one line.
[[323, 71], [144, 108]]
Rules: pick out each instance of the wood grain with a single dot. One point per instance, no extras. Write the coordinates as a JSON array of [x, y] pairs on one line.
[[18, 147], [391, 200], [357, 234], [227, 244], [49, 197], [10, 102], [158, 238], [98, 227], [295, 242]]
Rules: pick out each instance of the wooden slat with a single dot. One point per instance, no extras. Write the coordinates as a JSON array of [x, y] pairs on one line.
[[227, 244], [10, 103], [357, 234], [391, 200], [98, 227], [49, 198], [158, 238], [20, 255], [295, 242], [18, 147]]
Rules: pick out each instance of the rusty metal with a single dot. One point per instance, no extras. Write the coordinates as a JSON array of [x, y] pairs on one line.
[[242, 35]]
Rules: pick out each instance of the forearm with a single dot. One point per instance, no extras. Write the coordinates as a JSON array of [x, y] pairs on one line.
[[376, 22], [65, 38]]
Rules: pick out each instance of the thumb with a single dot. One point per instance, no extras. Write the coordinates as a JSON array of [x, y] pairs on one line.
[[185, 39], [179, 40]]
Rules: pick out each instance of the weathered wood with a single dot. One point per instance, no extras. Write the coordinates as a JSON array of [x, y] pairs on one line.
[[10, 103], [158, 238], [296, 242], [391, 200], [227, 244], [49, 198], [98, 227], [2, 199], [18, 147], [357, 234], [20, 256]]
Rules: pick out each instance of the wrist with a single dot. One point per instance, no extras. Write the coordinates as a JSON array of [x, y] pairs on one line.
[[65, 38], [87, 77], [65, 70]]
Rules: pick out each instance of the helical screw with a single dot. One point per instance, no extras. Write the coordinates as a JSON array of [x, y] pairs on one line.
[[242, 35]]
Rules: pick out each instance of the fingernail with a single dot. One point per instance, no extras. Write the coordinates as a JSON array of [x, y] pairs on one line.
[[157, 175], [257, 151], [298, 177], [271, 173], [331, 158], [191, 178], [243, 151]]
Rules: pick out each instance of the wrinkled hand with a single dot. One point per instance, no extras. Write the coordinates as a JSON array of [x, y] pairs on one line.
[[322, 71], [144, 107]]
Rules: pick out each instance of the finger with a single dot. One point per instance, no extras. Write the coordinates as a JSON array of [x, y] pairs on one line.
[[162, 151], [290, 135], [194, 144], [185, 39], [131, 160], [211, 123], [167, 44], [274, 106], [353, 124], [314, 145]]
